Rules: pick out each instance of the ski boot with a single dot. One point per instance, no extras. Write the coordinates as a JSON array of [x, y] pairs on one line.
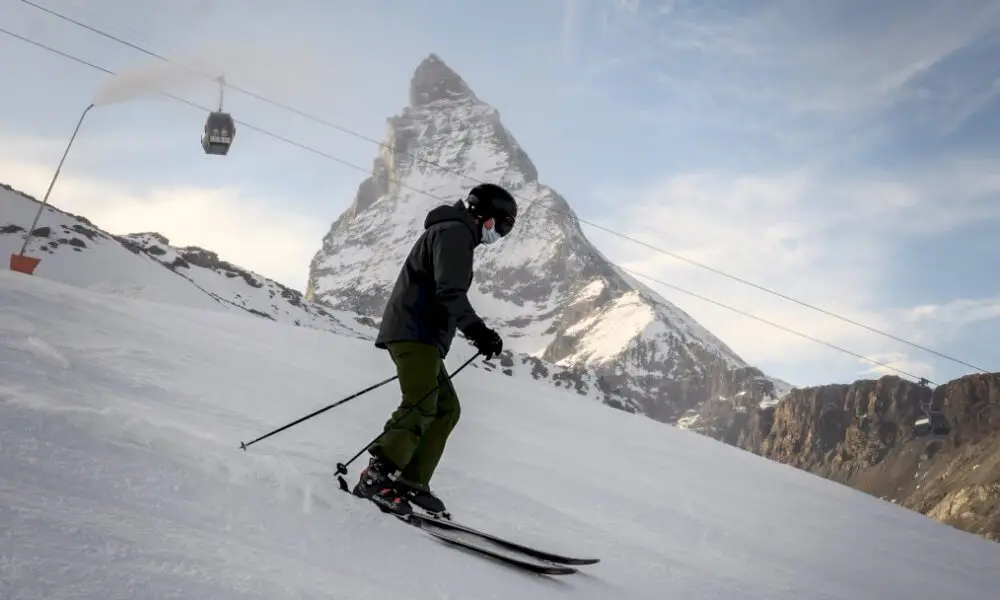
[[425, 500], [377, 484]]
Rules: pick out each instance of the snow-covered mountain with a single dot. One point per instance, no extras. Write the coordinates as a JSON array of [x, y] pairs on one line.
[[550, 292], [146, 266]]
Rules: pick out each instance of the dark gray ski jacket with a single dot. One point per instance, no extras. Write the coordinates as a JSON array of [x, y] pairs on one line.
[[429, 299]]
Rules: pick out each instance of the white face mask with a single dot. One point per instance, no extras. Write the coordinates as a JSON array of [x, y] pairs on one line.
[[490, 235]]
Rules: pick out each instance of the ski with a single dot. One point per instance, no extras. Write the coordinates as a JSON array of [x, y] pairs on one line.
[[484, 547], [428, 523], [512, 553]]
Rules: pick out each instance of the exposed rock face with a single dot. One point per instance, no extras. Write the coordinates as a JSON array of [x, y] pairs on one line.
[[545, 287], [861, 435], [434, 81]]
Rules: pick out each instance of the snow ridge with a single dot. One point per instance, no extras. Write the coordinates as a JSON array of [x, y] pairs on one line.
[[552, 294]]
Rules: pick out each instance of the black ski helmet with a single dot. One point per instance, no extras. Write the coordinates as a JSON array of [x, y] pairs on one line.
[[490, 201]]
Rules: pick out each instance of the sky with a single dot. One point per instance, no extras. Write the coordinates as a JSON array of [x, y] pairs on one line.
[[839, 152]]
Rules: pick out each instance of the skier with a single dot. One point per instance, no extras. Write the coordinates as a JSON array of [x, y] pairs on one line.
[[427, 304]]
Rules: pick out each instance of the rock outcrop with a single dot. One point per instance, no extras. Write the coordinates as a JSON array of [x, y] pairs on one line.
[[862, 435]]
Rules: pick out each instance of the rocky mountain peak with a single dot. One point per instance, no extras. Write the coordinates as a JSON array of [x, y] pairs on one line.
[[554, 296], [433, 80]]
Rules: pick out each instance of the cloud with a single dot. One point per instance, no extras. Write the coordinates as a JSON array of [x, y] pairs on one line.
[[898, 361], [803, 74], [861, 58], [957, 313], [631, 6], [255, 232], [568, 35], [147, 81], [755, 226], [808, 236]]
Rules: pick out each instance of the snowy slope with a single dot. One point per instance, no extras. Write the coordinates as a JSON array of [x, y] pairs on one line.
[[75, 251], [121, 477], [553, 295]]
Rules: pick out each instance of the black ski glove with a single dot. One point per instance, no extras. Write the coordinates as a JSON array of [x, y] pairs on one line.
[[487, 341]]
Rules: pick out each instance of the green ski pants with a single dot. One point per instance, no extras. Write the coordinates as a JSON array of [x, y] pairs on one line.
[[416, 442]]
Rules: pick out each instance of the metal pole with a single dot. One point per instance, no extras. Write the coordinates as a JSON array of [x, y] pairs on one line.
[[244, 445], [45, 200]]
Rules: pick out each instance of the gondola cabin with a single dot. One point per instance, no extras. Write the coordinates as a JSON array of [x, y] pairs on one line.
[[935, 424], [219, 133]]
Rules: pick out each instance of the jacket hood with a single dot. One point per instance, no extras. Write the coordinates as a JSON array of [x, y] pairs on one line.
[[453, 212]]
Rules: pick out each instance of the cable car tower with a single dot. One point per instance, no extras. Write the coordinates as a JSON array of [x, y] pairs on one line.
[[220, 129]]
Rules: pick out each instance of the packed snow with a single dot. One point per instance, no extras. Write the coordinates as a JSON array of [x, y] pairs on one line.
[[121, 477]]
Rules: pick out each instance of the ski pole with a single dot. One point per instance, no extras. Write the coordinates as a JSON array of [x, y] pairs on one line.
[[244, 446], [342, 467]]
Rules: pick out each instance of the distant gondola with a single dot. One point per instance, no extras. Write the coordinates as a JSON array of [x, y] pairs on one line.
[[220, 129], [219, 132], [935, 423]]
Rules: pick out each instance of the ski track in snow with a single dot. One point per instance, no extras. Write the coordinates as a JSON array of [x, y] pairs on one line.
[[121, 477]]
